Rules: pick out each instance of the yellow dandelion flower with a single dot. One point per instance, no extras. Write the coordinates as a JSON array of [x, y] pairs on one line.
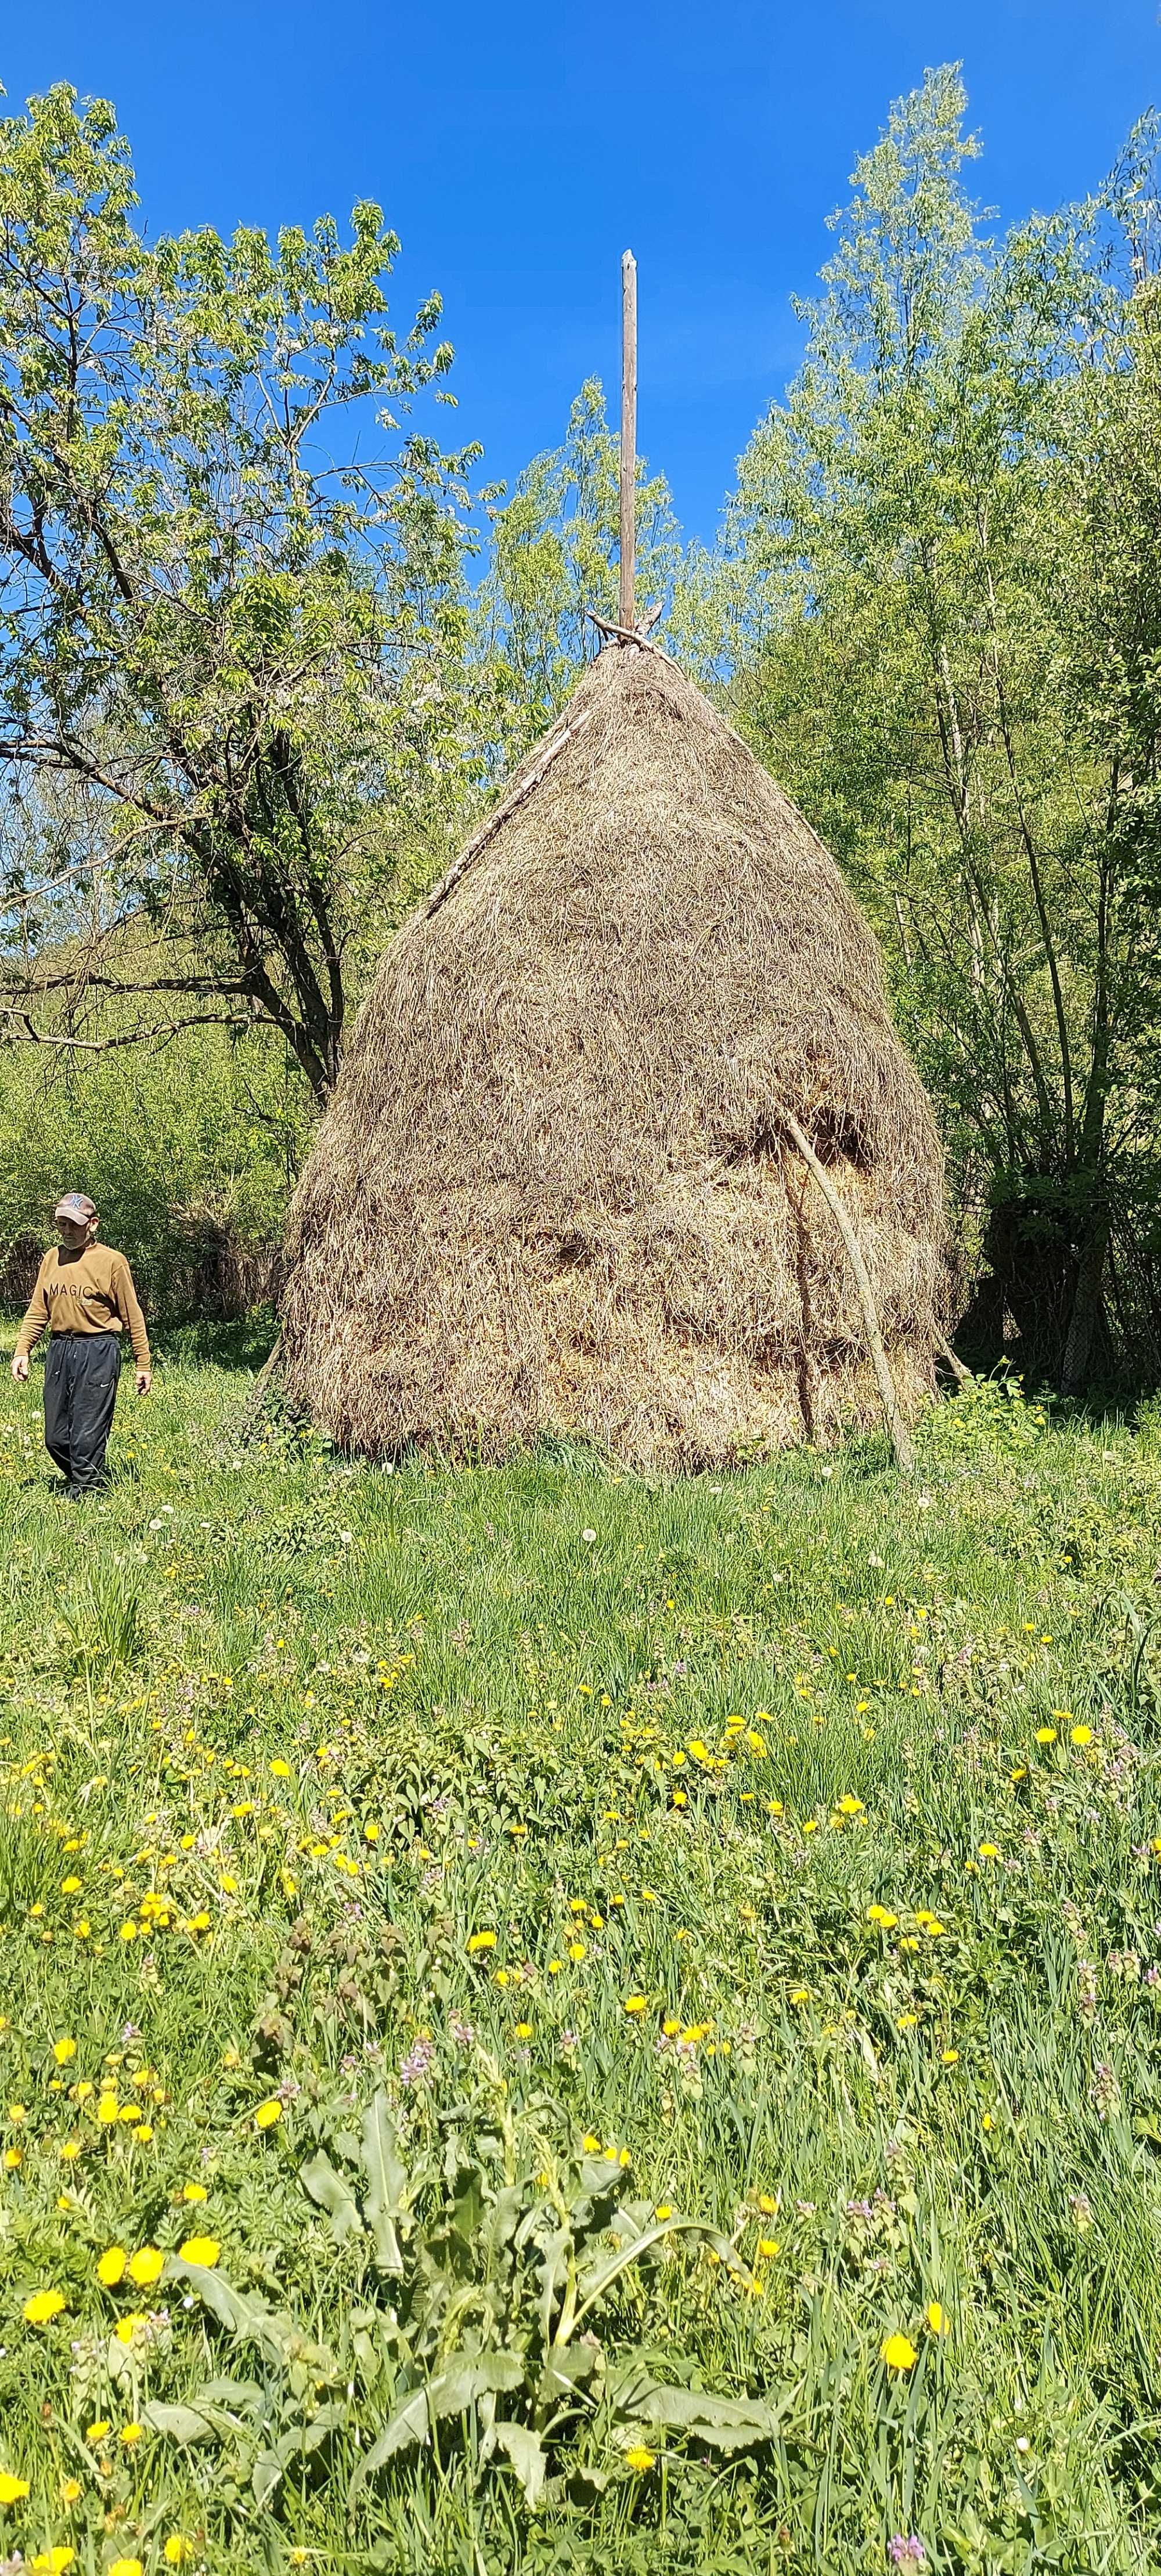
[[53, 2562], [145, 2267], [127, 2327], [898, 2353], [194, 2191], [40, 2309], [938, 2322], [638, 2458], [480, 1941], [1046, 1735], [96, 2432], [111, 2266], [12, 2489], [268, 2114], [1082, 1735], [126, 2567], [130, 2434], [178, 2551], [768, 2247], [636, 2003], [63, 2049], [576, 1949]]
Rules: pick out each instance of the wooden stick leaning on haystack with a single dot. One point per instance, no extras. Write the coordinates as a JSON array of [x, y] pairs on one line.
[[901, 1441]]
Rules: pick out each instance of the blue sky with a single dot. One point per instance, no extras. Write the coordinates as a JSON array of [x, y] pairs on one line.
[[518, 150]]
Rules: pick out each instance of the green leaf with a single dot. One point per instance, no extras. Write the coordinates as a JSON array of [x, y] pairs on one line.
[[409, 2425], [386, 2182], [526, 2452], [599, 2275], [304, 2437], [452, 2391], [468, 2376], [265, 2475], [722, 2423], [332, 2194], [179, 2423], [248, 2318], [566, 2367], [245, 2394]]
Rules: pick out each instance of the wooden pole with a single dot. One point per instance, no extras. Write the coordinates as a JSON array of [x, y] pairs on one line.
[[896, 1425], [627, 616]]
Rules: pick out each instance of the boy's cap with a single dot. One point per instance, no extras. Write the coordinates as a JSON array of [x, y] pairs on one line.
[[76, 1207]]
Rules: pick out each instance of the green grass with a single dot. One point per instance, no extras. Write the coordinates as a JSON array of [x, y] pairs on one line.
[[280, 1737]]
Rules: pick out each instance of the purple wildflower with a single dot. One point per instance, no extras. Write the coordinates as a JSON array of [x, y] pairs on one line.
[[417, 2061]]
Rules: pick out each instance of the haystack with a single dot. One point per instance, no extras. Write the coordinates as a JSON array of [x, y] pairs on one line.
[[555, 1189]]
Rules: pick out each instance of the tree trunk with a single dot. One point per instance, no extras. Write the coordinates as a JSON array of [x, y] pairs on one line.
[[1086, 1307]]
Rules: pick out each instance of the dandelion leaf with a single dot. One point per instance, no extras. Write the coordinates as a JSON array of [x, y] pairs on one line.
[[526, 2452], [386, 2182], [327, 2188]]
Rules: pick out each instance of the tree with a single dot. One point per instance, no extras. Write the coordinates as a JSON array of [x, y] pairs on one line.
[[930, 639], [229, 641], [554, 555]]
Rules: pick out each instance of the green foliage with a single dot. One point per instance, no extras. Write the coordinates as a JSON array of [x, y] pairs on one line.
[[937, 598], [477, 2314], [991, 1418], [100, 1629], [228, 650], [447, 1881], [554, 550], [190, 1153]]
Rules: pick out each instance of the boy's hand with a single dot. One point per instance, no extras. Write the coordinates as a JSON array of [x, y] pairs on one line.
[[144, 1380], [20, 1367]]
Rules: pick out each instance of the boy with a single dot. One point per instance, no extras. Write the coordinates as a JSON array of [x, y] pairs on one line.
[[84, 1295]]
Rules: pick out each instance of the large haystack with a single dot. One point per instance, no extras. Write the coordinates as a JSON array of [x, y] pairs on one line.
[[552, 1191]]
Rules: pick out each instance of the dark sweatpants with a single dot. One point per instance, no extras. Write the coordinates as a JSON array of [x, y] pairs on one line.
[[80, 1391]]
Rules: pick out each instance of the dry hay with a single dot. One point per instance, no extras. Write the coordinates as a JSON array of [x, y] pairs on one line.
[[551, 1191]]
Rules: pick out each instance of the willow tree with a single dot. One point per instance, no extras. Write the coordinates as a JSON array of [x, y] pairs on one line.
[[939, 600]]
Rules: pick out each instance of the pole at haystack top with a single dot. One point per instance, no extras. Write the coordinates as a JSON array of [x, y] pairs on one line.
[[628, 613]]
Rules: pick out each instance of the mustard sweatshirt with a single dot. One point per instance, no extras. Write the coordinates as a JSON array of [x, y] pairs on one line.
[[85, 1292]]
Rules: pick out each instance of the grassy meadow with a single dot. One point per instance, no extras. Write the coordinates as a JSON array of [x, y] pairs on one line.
[[551, 2022]]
